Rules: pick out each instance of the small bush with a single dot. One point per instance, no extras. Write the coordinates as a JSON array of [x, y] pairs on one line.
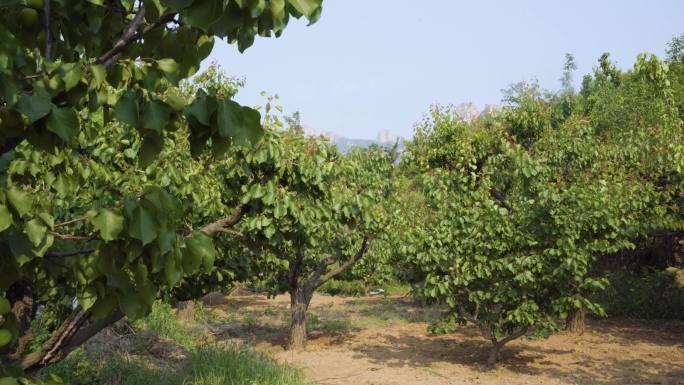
[[208, 365], [343, 288], [652, 295], [76, 369], [216, 366], [163, 322]]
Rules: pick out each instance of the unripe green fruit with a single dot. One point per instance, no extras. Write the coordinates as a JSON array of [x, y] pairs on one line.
[[8, 381], [40, 39], [28, 17], [5, 337], [38, 4], [4, 306]]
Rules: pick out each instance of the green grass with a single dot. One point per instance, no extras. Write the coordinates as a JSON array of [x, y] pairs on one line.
[[216, 366], [162, 321], [205, 363]]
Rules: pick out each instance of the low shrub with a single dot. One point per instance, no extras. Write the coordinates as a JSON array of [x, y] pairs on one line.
[[343, 288], [650, 295]]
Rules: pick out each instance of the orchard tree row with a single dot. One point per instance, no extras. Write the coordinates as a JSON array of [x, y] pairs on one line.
[[123, 182]]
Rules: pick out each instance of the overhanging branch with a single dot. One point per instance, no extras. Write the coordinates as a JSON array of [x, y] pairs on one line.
[[131, 34], [223, 225], [318, 278]]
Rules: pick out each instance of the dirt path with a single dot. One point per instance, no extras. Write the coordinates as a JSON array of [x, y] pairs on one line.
[[387, 343]]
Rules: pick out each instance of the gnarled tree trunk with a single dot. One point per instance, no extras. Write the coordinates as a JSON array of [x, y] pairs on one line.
[[299, 304], [302, 289], [575, 322], [497, 344]]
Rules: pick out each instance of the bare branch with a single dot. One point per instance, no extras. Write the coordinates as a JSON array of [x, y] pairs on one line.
[[318, 278], [72, 333], [77, 219], [69, 237], [60, 254], [223, 225], [47, 23], [132, 34]]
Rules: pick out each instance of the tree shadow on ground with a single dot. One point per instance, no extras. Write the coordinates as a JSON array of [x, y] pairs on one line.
[[626, 332], [470, 350]]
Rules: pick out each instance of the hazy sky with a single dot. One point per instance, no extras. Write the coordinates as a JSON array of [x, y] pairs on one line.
[[370, 65]]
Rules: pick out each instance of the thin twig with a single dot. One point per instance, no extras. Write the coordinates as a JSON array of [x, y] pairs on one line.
[[76, 219], [70, 237], [47, 17], [60, 254]]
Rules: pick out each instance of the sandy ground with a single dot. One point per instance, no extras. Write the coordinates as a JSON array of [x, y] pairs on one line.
[[387, 343]]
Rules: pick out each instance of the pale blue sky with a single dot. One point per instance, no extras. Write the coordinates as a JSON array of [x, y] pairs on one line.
[[370, 65]]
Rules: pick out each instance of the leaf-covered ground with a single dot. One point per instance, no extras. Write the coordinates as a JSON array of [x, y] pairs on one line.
[[378, 341]]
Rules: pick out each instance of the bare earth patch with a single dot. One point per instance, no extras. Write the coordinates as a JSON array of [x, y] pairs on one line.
[[378, 341]]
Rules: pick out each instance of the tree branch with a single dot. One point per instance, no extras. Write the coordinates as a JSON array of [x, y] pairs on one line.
[[77, 219], [223, 225], [318, 278], [132, 34], [72, 333], [60, 254], [69, 237], [514, 335], [47, 19], [129, 35]]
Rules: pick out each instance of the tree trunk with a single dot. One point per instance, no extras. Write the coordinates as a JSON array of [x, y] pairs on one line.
[[185, 310], [299, 303], [497, 344], [575, 321], [494, 355]]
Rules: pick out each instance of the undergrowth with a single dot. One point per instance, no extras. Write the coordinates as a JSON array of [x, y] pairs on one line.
[[204, 364]]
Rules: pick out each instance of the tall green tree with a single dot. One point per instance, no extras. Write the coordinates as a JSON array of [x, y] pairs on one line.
[[518, 220], [89, 209]]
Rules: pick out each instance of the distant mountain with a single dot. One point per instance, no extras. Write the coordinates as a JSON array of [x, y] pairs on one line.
[[467, 112], [384, 138]]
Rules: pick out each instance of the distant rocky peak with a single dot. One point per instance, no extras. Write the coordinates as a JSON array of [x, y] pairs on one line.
[[467, 112], [386, 137]]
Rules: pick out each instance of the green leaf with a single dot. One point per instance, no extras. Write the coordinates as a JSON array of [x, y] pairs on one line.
[[108, 223], [72, 78], [202, 108], [176, 5], [256, 7], [176, 102], [173, 271], [127, 109], [201, 247], [151, 147], [99, 74], [167, 65], [5, 219], [308, 8], [202, 14], [242, 125], [156, 115], [63, 122], [87, 298], [33, 106], [20, 200], [142, 225], [35, 230]]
